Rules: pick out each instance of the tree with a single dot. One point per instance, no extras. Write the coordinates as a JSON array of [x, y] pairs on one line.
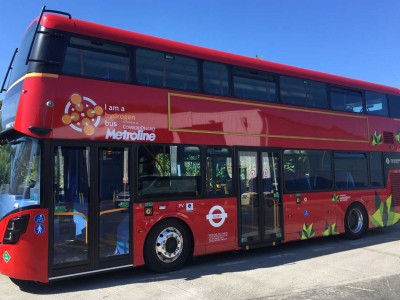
[[4, 164]]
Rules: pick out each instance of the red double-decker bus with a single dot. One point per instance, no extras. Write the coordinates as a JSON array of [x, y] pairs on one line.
[[121, 150]]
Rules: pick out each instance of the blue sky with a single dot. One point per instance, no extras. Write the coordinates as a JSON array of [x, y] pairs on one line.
[[353, 38]]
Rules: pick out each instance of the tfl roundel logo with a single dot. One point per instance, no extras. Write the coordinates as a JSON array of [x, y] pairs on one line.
[[82, 114], [216, 216]]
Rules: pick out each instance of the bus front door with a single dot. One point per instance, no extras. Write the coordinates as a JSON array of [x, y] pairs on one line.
[[259, 197], [91, 211]]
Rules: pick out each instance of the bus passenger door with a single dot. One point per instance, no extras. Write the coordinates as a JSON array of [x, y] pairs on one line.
[[91, 210], [70, 231], [114, 202], [259, 197]]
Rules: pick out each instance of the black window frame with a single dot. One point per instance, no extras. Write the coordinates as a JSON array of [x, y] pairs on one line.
[[95, 41], [203, 78], [307, 93], [172, 195], [381, 170], [167, 56], [346, 91], [376, 112], [312, 179], [346, 176], [394, 106], [253, 74], [308, 180], [229, 189]]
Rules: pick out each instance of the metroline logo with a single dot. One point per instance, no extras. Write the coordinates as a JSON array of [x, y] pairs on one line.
[[130, 136]]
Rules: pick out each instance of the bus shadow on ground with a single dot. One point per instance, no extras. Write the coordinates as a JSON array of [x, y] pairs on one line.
[[222, 263]]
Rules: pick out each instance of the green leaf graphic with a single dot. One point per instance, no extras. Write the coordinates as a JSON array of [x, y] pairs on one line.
[[376, 139], [397, 136], [335, 198], [385, 213], [330, 230], [307, 232]]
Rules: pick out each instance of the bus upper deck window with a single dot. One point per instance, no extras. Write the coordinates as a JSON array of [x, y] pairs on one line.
[[346, 100], [376, 103], [97, 59]]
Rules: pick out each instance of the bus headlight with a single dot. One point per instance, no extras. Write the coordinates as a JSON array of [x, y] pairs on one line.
[[16, 227]]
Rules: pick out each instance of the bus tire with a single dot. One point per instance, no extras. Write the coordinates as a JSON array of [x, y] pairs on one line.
[[168, 246], [355, 221]]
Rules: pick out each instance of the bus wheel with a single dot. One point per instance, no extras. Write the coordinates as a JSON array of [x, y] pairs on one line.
[[167, 246], [356, 221]]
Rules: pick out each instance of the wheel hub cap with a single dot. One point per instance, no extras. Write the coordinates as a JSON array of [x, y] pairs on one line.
[[356, 221], [169, 244]]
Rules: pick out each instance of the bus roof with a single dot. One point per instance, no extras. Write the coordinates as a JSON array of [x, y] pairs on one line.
[[124, 36]]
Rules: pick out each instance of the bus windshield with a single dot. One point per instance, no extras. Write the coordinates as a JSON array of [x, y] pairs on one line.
[[19, 175]]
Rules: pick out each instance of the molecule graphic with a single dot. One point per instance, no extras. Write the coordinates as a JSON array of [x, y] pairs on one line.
[[82, 114]]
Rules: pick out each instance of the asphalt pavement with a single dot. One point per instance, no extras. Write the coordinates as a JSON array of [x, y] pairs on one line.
[[325, 268]]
